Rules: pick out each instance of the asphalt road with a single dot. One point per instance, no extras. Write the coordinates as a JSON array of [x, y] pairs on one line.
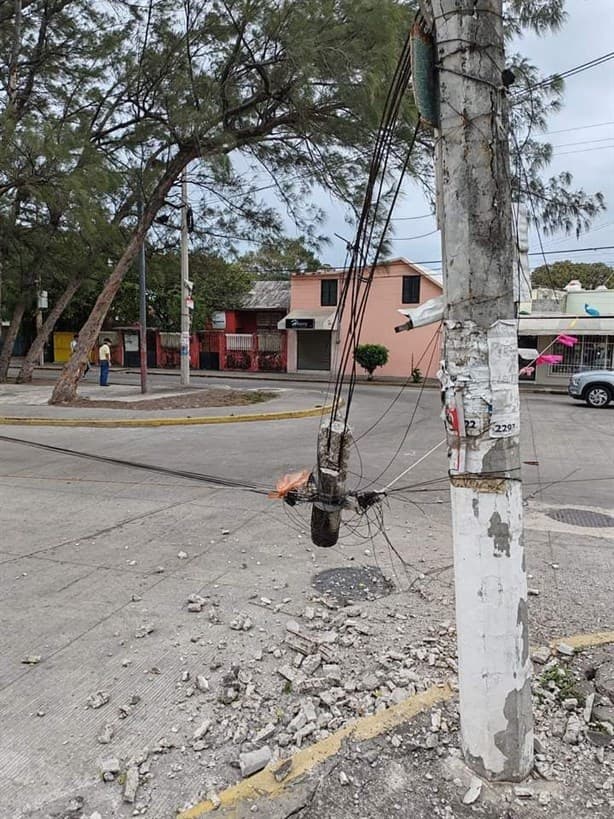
[[79, 538]]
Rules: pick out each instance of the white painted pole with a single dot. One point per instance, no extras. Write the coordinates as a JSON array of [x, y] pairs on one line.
[[185, 312], [39, 316], [480, 380]]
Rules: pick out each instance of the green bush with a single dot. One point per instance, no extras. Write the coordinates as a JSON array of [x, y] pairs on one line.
[[371, 356]]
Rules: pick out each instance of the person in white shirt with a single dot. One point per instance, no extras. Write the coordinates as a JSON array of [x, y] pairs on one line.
[[104, 358]]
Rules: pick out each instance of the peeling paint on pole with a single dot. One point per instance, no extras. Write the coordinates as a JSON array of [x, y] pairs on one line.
[[480, 390], [492, 623]]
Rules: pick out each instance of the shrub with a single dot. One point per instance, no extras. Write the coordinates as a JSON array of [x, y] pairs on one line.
[[371, 356]]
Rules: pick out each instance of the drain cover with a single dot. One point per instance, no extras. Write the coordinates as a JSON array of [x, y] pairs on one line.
[[353, 583], [580, 517]]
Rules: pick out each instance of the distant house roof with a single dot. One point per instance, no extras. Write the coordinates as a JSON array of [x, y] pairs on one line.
[[267, 296]]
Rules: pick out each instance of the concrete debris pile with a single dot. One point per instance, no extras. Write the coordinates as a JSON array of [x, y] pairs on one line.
[[574, 716], [266, 691], [254, 687]]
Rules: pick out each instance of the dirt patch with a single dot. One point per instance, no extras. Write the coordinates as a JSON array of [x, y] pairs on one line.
[[196, 400]]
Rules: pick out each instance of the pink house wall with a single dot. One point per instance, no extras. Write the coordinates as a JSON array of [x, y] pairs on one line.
[[381, 317]]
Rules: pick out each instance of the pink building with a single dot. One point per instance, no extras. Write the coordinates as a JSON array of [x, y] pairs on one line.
[[316, 336]]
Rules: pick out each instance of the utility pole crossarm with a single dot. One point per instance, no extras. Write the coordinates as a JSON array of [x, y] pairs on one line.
[[480, 386]]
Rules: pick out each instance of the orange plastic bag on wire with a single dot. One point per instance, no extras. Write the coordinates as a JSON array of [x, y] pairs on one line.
[[287, 483]]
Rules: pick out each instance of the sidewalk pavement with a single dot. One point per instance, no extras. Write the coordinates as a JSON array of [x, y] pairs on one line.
[[311, 376], [30, 402]]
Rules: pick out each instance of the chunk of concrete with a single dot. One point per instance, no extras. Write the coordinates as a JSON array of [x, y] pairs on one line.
[[253, 761], [131, 784]]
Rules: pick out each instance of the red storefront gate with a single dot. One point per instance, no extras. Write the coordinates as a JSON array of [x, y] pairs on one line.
[[250, 352]]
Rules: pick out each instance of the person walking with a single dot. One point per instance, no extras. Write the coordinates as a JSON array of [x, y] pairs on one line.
[[73, 347], [104, 358]]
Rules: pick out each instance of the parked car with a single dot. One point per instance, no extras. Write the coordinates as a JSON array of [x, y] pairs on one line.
[[596, 387]]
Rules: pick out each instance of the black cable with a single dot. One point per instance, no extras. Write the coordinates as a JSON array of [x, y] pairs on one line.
[[400, 392], [367, 221], [411, 418], [570, 72], [227, 483]]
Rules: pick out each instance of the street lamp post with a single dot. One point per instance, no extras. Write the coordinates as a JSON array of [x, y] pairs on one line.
[[185, 284], [142, 307]]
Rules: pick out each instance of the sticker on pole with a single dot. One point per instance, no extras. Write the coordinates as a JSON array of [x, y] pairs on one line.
[[503, 358], [185, 343], [504, 426]]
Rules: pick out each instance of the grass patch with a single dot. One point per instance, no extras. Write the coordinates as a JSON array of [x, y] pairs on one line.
[[565, 682]]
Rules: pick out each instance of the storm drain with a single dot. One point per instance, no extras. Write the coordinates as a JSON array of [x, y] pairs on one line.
[[353, 583], [581, 517]]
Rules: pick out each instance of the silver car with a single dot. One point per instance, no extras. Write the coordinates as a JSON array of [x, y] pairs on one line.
[[596, 387]]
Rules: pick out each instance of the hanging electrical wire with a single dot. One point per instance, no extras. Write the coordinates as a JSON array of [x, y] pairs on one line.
[[334, 440]]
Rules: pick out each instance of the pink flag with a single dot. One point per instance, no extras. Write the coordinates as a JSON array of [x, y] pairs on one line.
[[548, 359], [568, 341]]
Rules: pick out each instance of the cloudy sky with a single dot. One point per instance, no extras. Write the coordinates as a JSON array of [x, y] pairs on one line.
[[582, 133]]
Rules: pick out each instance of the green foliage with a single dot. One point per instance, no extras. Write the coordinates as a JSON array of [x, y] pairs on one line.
[[559, 274], [540, 16], [277, 258], [561, 680], [371, 356], [287, 97], [218, 285]]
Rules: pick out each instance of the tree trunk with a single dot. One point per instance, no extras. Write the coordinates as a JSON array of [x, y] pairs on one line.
[[37, 346], [66, 387], [9, 341]]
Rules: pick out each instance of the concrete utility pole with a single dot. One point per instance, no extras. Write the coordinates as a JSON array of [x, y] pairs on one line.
[[185, 289], [480, 385], [142, 308], [40, 302]]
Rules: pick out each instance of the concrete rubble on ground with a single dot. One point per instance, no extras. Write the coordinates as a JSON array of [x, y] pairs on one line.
[[292, 675]]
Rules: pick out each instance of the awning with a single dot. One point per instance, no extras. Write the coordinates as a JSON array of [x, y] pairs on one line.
[[315, 319], [553, 325]]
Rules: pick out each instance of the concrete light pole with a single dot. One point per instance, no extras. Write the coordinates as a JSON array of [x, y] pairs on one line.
[[41, 303], [142, 308], [480, 386], [185, 288]]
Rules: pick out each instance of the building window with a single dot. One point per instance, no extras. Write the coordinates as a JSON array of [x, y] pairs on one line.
[[268, 320], [590, 353], [411, 289], [328, 292]]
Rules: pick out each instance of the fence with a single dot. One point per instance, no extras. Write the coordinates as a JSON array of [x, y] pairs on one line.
[[254, 352]]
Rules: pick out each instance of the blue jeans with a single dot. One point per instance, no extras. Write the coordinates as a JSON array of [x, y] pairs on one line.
[[104, 373]]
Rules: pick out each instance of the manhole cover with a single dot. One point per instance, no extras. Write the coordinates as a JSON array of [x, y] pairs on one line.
[[580, 517], [353, 583]]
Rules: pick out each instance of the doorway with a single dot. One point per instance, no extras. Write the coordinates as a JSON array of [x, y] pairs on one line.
[[313, 349]]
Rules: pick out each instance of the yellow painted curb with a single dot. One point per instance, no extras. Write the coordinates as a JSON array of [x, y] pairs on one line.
[[265, 784], [580, 641], [165, 422]]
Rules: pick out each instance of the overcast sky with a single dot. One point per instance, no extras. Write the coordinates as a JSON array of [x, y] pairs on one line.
[[587, 116]]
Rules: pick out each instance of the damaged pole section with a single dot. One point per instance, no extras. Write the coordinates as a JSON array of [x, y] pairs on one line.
[[479, 379], [334, 443], [481, 412]]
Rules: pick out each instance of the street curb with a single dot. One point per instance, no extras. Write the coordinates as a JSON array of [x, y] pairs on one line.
[[264, 784], [581, 641], [282, 415]]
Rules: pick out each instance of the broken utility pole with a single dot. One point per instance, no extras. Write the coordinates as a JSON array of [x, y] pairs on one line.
[[334, 444], [480, 387]]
